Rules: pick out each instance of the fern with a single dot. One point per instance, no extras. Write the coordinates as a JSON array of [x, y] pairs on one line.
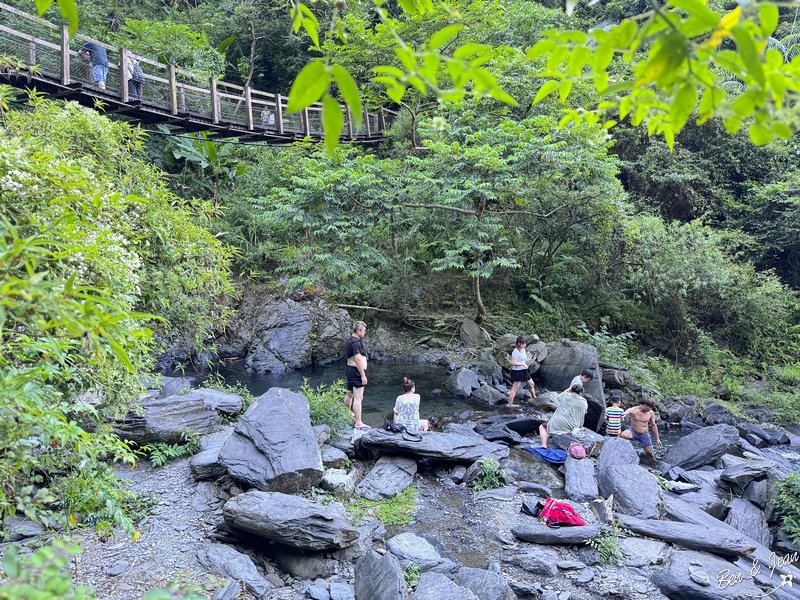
[[787, 505], [161, 454]]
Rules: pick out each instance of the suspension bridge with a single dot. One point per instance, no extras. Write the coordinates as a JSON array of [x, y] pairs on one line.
[[35, 53]]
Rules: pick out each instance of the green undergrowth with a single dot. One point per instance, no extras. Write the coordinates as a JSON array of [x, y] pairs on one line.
[[787, 505], [217, 382], [325, 403], [161, 454], [607, 544], [490, 475], [391, 511]]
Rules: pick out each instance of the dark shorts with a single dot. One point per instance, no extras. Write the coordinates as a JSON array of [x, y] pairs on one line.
[[520, 375], [353, 378], [642, 438]]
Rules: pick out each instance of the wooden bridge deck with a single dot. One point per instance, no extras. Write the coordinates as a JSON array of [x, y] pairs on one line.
[[186, 101]]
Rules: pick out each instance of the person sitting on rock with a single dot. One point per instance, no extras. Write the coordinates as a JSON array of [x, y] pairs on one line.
[[406, 408], [642, 417], [428, 424], [569, 415], [519, 369], [581, 380]]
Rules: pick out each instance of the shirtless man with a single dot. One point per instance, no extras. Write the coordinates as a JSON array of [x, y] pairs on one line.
[[642, 417], [355, 373]]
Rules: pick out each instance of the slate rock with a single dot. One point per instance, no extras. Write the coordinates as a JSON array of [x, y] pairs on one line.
[[436, 586], [490, 395], [366, 535], [317, 592], [744, 473], [473, 335], [333, 458], [164, 420], [756, 492], [747, 518], [273, 447], [389, 476], [527, 467], [484, 584], [539, 561], [502, 494], [545, 402], [434, 445], [410, 548], [675, 581], [339, 482], [462, 382], [224, 560], [702, 447], [224, 402], [290, 520], [19, 528], [571, 565], [170, 386], [636, 492], [565, 359], [341, 591], [229, 592], [640, 549], [580, 482], [592, 442], [206, 465], [710, 498], [585, 577], [379, 577], [500, 433], [302, 564], [617, 451]]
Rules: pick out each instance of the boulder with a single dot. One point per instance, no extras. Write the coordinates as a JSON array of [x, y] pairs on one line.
[[339, 482], [676, 583], [438, 446], [566, 359], [289, 335], [545, 402], [229, 592], [224, 402], [290, 520], [592, 442], [462, 382], [527, 467], [581, 485], [389, 476], [744, 473], [333, 458], [756, 492], [339, 590], [490, 395], [20, 528], [538, 561], [379, 577], [716, 538], [303, 564], [641, 552], [473, 335], [500, 433], [410, 548], [435, 586], [702, 447], [165, 420], [224, 560], [367, 534], [636, 491], [170, 386], [322, 432], [747, 518], [617, 451], [273, 447], [537, 533], [485, 584], [711, 497]]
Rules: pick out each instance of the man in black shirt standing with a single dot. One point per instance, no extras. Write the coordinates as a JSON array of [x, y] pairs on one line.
[[356, 374]]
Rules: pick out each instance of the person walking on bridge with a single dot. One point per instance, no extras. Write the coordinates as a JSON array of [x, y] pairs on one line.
[[99, 59]]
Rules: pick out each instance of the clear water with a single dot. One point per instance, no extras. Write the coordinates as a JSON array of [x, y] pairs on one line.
[[385, 384]]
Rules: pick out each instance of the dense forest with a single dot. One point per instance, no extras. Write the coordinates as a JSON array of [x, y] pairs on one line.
[[682, 263]]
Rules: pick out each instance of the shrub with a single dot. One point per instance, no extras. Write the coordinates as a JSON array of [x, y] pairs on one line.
[[161, 454], [326, 405], [412, 573], [607, 544], [490, 476], [787, 505], [43, 576]]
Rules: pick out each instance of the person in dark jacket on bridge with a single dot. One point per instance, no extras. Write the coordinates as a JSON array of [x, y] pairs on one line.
[[99, 59]]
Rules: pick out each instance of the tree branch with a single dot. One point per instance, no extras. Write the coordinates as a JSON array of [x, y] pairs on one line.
[[464, 211]]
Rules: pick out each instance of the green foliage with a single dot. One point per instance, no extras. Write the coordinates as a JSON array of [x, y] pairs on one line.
[[326, 405], [161, 454], [412, 573], [787, 505], [607, 544], [396, 510], [42, 576], [490, 475], [217, 382]]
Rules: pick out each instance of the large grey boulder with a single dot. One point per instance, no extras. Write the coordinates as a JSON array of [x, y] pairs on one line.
[[675, 580], [224, 402], [164, 420], [747, 518], [526, 467], [636, 491], [500, 433], [224, 560], [273, 446], [338, 481], [302, 564], [581, 485], [473, 335], [538, 561], [410, 548], [288, 335], [617, 451], [462, 382], [206, 464], [710, 497], [379, 577], [702, 447], [435, 586], [438, 446], [744, 473], [290, 520], [545, 402], [566, 359], [592, 442], [389, 476], [485, 584], [490, 395]]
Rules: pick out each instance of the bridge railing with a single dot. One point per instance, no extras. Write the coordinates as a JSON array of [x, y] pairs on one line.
[[167, 89]]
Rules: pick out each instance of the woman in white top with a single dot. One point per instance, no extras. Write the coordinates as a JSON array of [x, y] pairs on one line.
[[406, 408], [519, 369]]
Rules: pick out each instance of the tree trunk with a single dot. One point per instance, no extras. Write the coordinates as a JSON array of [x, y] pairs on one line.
[[476, 288]]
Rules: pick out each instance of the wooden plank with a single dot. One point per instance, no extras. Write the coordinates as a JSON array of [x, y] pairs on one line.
[[349, 122], [64, 55], [366, 123], [382, 122], [123, 74], [305, 124], [28, 16], [132, 105], [173, 90], [279, 114], [214, 100]]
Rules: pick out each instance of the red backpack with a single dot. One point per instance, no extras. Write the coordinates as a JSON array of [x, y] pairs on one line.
[[555, 514]]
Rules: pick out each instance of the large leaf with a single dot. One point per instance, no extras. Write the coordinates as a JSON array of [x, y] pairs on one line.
[[68, 10], [547, 88], [309, 86], [332, 122], [349, 91]]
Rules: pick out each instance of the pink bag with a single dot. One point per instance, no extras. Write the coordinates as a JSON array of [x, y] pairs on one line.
[[576, 450]]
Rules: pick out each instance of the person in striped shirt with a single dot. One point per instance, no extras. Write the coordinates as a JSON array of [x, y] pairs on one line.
[[614, 415]]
